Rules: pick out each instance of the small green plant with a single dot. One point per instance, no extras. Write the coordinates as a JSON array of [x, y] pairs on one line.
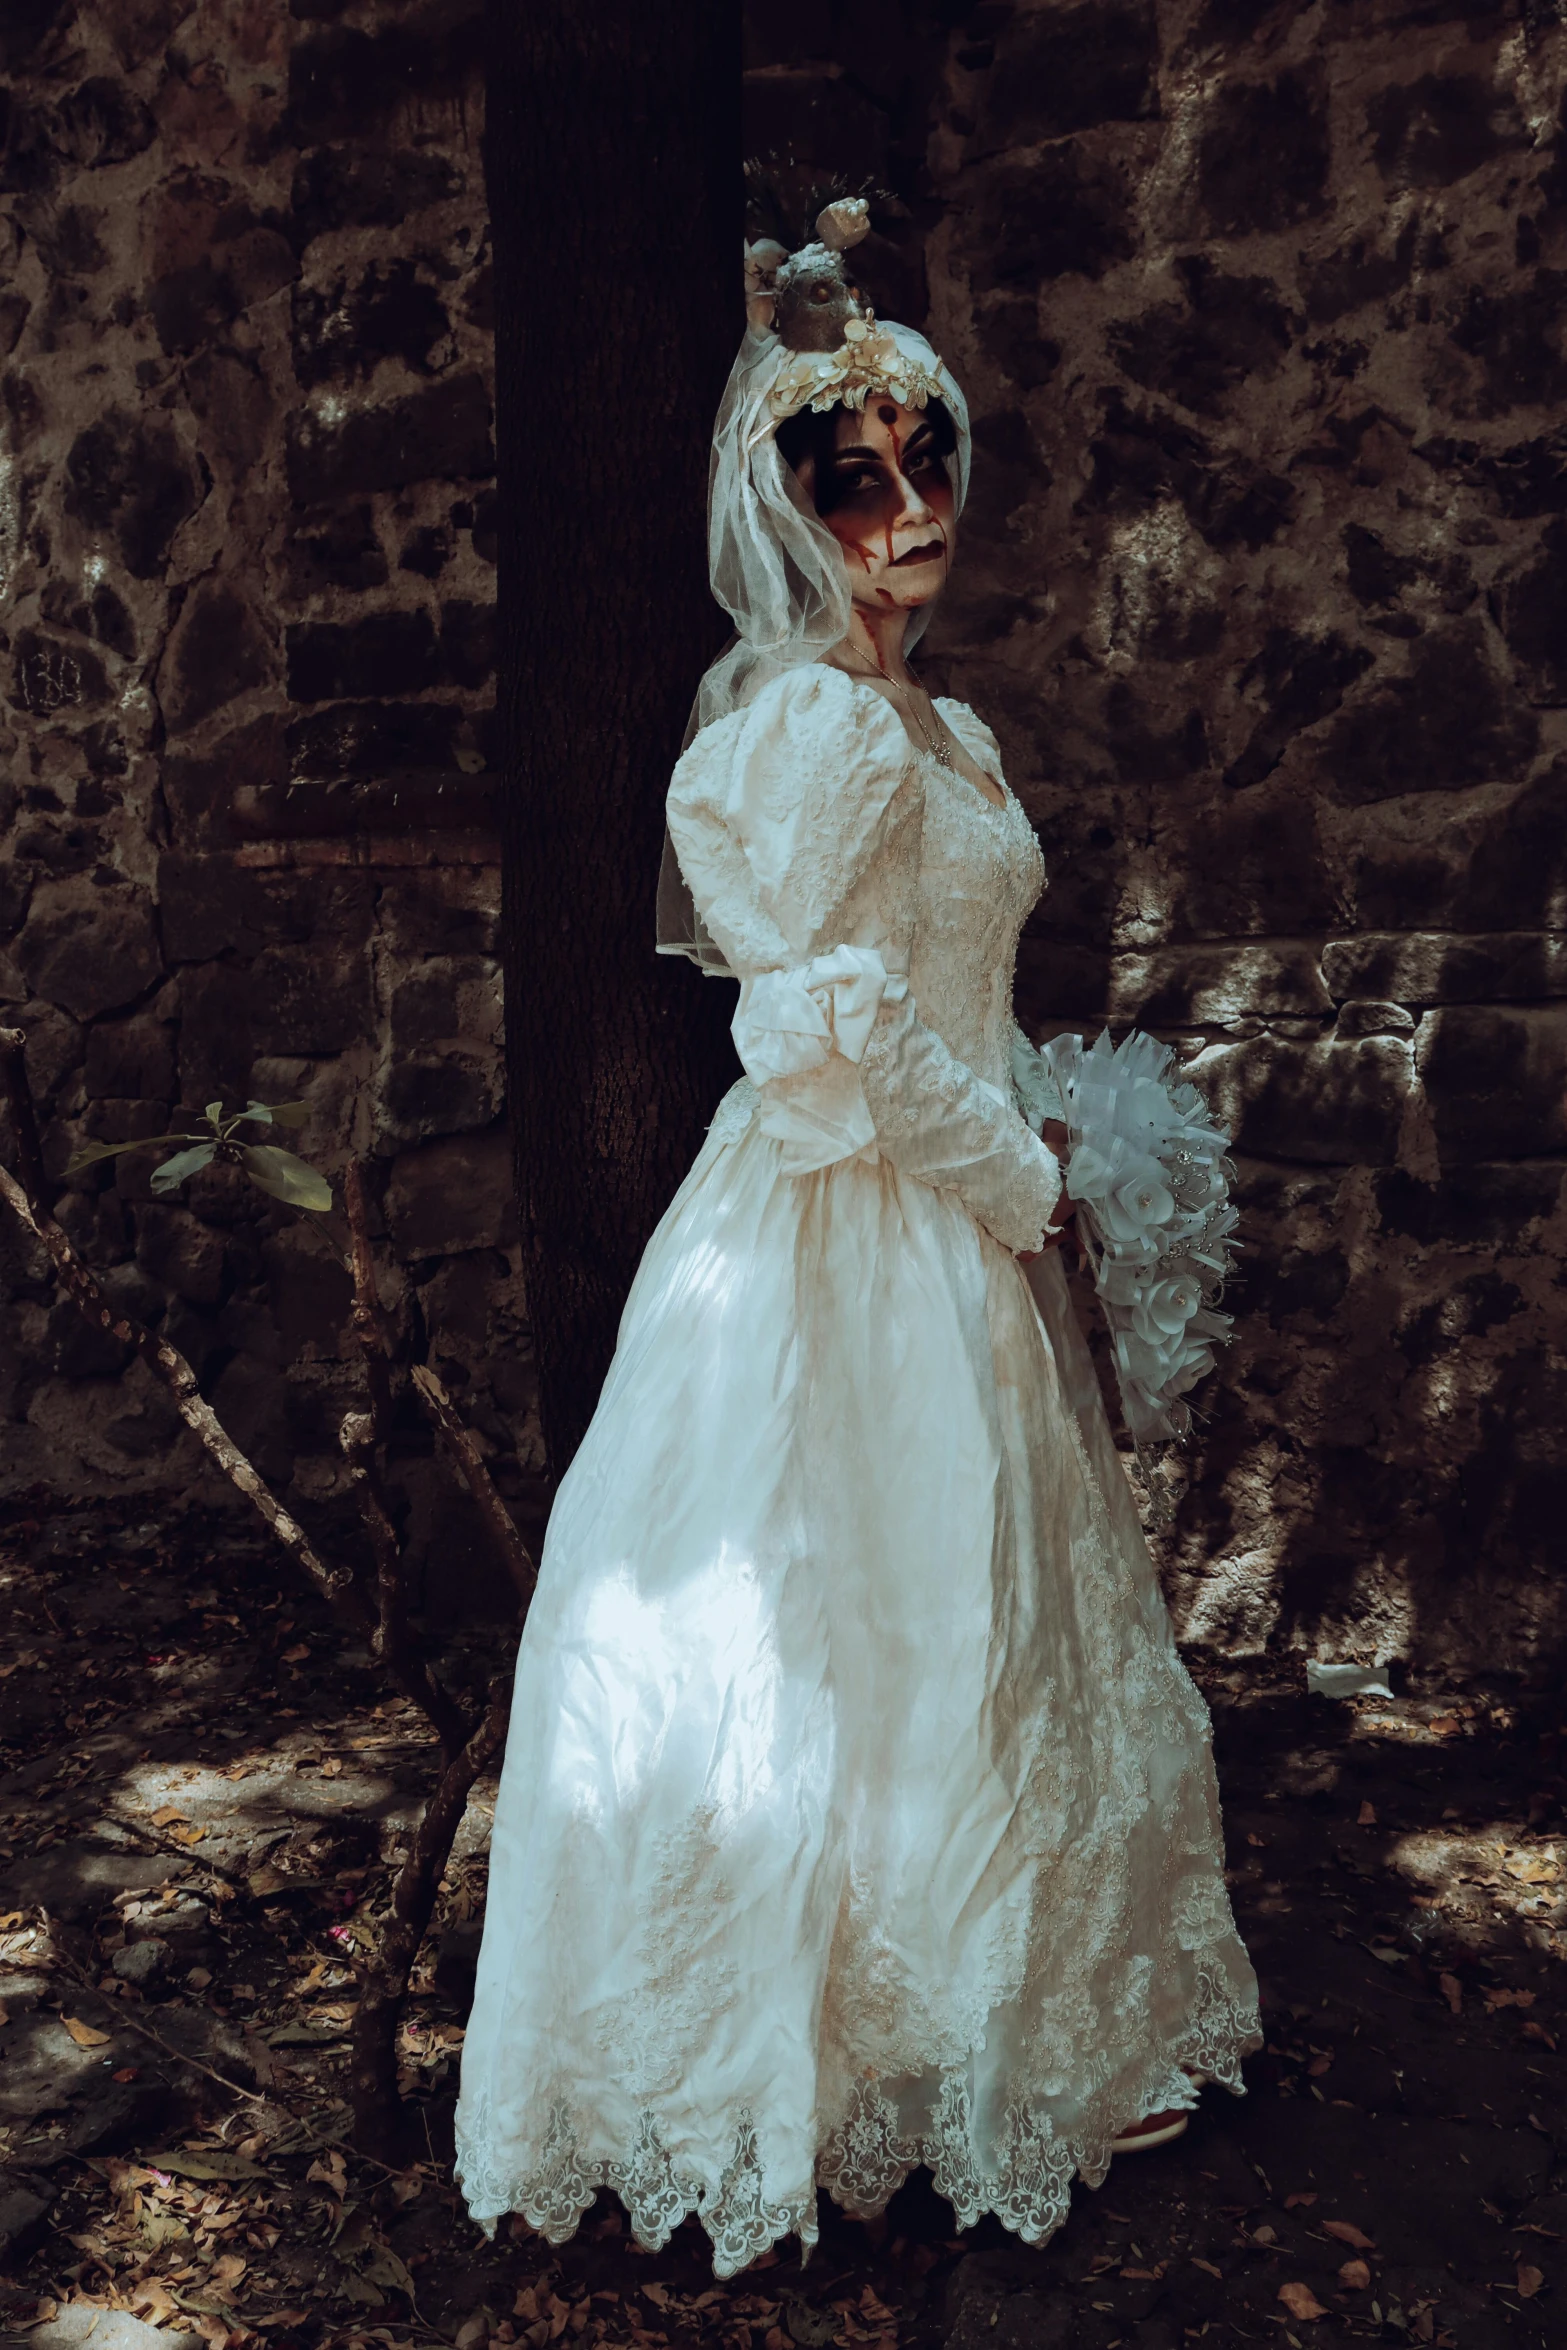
[[270, 1168]]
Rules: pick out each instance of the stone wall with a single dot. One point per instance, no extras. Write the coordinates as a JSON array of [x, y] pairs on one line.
[[1259, 309], [247, 538], [1259, 313]]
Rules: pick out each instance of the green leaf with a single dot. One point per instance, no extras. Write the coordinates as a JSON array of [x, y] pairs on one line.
[[173, 1171], [205, 2166], [293, 1114], [215, 1113], [91, 1152], [257, 1111], [285, 1177]]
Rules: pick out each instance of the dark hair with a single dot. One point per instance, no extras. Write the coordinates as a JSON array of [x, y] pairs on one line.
[[813, 433]]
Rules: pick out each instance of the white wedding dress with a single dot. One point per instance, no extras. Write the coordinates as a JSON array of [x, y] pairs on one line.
[[858, 1811]]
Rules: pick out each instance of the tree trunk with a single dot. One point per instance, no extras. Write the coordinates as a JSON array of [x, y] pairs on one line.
[[613, 155]]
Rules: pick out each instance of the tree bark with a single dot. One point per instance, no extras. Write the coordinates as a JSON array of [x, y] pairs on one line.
[[613, 155]]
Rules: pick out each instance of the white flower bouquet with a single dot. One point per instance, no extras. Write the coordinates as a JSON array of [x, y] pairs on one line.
[[1148, 1176]]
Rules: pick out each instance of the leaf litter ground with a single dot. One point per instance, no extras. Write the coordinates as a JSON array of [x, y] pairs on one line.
[[204, 1790]]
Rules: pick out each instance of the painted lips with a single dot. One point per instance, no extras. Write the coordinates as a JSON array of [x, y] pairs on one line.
[[930, 551]]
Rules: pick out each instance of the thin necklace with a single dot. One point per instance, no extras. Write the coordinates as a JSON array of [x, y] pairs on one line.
[[934, 743]]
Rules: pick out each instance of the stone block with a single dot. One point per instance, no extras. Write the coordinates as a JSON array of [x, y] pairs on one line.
[[448, 910], [1064, 213], [55, 1047], [1445, 967], [1454, 719], [212, 258], [251, 1401], [1067, 69], [344, 83], [338, 548], [457, 1093], [142, 1963], [447, 998], [186, 1255], [1436, 129], [310, 1296], [1171, 986], [347, 187], [50, 674], [131, 1060], [1532, 609], [199, 788], [344, 327], [1479, 1206], [468, 643], [1326, 1104], [1201, 350], [374, 738], [76, 1348], [215, 1046], [212, 906], [89, 948], [310, 1000], [218, 651], [440, 434], [1360, 1016], [102, 121], [1494, 1080], [388, 653], [127, 476], [1262, 162], [1495, 860], [445, 1197]]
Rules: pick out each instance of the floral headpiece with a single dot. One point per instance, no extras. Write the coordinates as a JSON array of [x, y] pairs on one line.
[[837, 354], [867, 361]]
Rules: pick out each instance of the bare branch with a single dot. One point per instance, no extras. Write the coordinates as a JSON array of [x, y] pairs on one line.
[[24, 1116], [391, 1643], [335, 1583], [369, 1321], [384, 1973], [465, 1455]]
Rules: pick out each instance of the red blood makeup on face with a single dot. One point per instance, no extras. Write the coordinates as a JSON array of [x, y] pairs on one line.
[[891, 508]]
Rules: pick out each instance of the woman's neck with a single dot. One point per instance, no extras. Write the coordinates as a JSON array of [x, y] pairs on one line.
[[876, 637]]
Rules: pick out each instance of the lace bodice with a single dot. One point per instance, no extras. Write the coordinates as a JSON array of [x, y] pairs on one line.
[[980, 877], [870, 901]]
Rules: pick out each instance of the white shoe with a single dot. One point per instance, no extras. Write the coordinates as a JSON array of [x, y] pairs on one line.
[[1157, 2130]]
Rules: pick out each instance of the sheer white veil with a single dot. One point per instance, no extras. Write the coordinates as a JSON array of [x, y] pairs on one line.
[[774, 566]]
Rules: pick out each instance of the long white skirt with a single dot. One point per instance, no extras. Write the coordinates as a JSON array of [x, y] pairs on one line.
[[857, 1811]]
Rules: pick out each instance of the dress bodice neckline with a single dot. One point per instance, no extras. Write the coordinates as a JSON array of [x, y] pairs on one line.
[[921, 751]]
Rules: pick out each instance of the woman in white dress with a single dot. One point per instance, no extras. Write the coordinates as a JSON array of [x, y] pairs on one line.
[[857, 1812]]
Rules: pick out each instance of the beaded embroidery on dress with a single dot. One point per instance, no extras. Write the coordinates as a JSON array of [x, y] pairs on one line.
[[858, 1811]]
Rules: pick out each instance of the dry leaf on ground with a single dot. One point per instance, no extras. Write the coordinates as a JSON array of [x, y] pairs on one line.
[[1354, 2276], [83, 2034], [1452, 1991], [1301, 2301], [1366, 1817], [1347, 2233], [1529, 2282]]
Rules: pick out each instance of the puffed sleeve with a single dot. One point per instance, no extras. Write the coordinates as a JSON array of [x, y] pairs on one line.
[[797, 823]]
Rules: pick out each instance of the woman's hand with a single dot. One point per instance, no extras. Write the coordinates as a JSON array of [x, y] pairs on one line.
[[1055, 1138]]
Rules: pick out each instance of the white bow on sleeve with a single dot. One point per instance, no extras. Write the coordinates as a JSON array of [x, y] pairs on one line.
[[801, 1036]]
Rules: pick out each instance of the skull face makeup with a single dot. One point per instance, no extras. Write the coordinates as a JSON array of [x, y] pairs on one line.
[[881, 487]]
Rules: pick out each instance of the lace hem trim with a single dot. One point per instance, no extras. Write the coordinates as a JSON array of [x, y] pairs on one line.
[[864, 2162]]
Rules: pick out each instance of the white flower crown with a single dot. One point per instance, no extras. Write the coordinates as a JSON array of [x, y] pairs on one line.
[[868, 360]]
